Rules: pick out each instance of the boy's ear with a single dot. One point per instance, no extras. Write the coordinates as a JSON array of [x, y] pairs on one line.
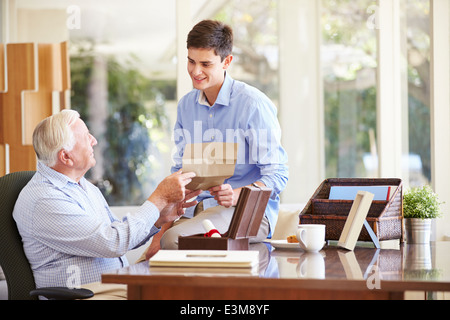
[[227, 62]]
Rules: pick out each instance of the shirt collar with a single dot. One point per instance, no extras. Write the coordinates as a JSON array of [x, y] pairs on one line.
[[56, 178], [224, 94]]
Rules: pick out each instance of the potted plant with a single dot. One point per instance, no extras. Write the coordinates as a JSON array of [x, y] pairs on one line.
[[420, 206]]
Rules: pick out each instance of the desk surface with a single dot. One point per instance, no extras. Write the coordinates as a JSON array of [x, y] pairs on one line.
[[283, 273]]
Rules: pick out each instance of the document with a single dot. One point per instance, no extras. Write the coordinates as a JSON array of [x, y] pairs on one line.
[[212, 163]]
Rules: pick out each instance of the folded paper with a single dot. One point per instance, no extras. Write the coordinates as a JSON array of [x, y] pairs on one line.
[[212, 163]]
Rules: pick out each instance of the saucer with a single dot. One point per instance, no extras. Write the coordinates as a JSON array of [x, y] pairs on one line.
[[283, 244]]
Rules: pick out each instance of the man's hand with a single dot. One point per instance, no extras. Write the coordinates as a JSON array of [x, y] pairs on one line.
[[170, 213], [225, 195], [175, 210], [171, 189]]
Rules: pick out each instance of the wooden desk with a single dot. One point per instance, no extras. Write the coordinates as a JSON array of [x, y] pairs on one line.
[[334, 273]]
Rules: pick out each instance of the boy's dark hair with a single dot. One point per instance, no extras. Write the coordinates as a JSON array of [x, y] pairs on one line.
[[209, 34]]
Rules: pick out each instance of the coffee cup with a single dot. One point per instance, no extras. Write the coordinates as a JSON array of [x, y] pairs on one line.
[[311, 237]]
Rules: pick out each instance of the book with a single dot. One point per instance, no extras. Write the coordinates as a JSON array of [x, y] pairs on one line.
[[205, 258], [381, 193], [355, 220]]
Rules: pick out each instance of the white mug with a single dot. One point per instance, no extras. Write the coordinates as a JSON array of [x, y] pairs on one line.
[[311, 237]]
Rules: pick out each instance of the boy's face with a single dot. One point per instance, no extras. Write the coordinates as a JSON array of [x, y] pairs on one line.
[[206, 69]]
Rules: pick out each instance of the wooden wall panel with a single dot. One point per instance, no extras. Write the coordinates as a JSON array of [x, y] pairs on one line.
[[22, 158], [36, 73], [2, 67], [39, 105], [2, 89], [2, 159], [21, 76], [65, 67]]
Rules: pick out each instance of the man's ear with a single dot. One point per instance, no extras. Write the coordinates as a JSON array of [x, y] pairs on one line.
[[64, 158], [227, 62]]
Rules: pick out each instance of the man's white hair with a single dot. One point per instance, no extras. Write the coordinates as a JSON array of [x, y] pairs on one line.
[[53, 134]]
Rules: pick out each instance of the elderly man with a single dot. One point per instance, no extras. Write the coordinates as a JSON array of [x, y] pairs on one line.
[[69, 234]]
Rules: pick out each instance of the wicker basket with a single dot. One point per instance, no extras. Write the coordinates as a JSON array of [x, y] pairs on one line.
[[384, 217]]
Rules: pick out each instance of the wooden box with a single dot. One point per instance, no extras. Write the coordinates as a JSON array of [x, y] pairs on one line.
[[384, 217], [245, 223]]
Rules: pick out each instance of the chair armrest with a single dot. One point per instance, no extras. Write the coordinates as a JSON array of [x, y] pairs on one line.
[[61, 293]]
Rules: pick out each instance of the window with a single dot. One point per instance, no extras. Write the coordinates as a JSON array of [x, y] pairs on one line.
[[124, 84], [125, 87], [317, 60], [255, 29], [349, 68], [416, 32]]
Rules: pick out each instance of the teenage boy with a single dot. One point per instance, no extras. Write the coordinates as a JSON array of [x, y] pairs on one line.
[[221, 109]]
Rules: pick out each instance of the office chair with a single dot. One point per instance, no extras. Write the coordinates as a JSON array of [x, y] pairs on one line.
[[15, 265]]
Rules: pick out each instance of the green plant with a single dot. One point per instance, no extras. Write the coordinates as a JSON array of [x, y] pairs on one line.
[[421, 203]]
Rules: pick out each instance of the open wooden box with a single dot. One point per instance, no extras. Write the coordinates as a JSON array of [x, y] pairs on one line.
[[244, 225], [384, 217]]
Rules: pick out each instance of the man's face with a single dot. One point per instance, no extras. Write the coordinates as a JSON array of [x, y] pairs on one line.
[[82, 153], [206, 69]]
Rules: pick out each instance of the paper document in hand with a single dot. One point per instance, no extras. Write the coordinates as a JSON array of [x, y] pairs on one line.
[[212, 163], [205, 258]]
